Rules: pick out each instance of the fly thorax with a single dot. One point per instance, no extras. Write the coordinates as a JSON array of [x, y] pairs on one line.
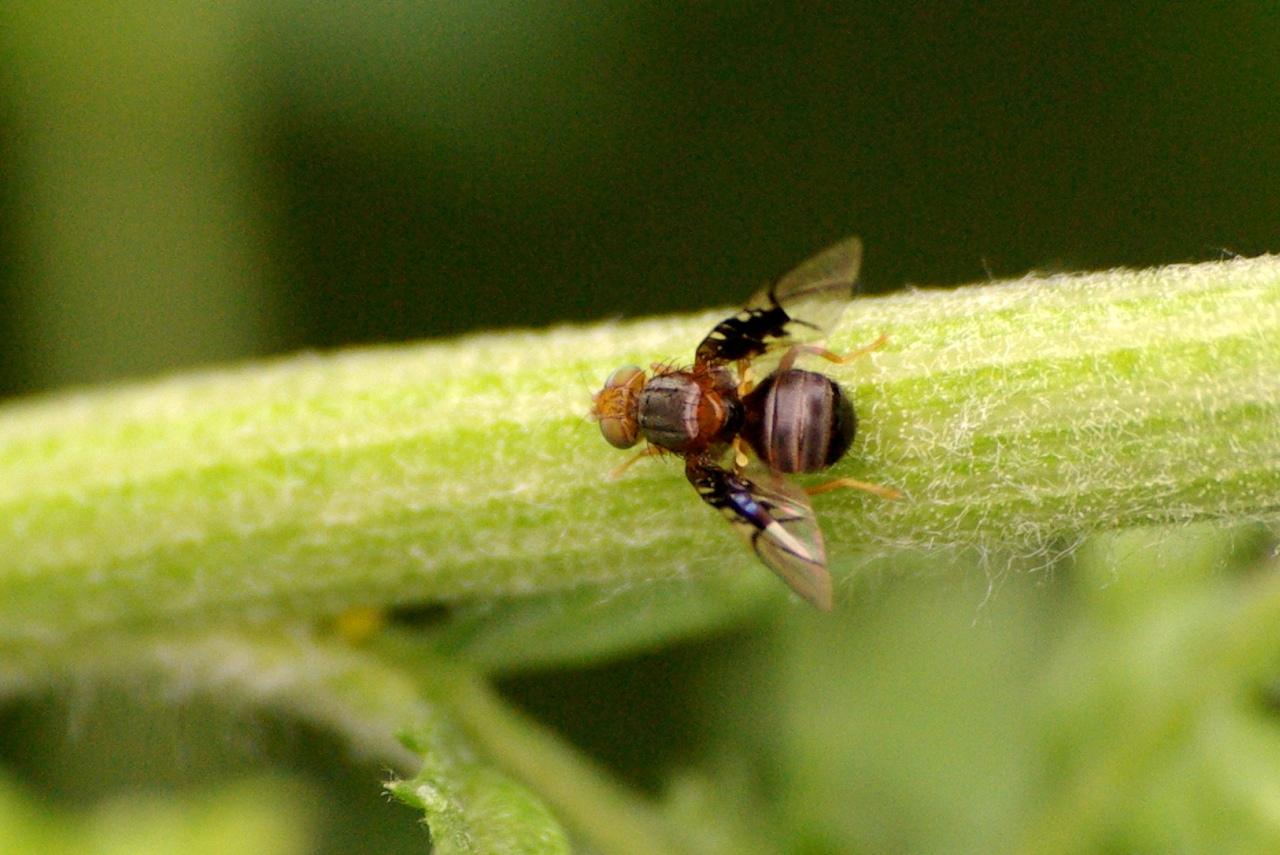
[[682, 412]]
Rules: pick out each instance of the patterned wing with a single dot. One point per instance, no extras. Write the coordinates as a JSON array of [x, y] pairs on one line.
[[777, 520], [801, 305]]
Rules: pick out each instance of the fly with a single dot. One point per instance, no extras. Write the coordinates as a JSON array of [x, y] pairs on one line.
[[791, 421]]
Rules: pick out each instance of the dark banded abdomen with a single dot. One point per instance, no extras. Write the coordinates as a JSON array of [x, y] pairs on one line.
[[799, 421]]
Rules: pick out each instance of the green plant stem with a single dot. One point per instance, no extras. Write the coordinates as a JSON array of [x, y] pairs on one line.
[[599, 810], [313, 676], [368, 693], [1024, 414]]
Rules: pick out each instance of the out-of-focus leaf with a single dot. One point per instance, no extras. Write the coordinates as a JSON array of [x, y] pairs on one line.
[[472, 808], [255, 817]]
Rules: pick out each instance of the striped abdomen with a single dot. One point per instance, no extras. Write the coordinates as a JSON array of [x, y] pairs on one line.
[[799, 421]]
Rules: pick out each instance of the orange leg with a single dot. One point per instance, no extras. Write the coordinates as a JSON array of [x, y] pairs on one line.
[[853, 484], [746, 377], [789, 360], [649, 451]]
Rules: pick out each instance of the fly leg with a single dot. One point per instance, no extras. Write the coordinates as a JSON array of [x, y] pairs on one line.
[[649, 451], [788, 360], [854, 484]]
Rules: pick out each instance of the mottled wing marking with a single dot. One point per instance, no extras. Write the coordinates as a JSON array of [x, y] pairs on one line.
[[801, 305], [777, 520]]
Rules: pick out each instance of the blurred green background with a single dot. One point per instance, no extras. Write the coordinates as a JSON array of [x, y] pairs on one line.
[[189, 183], [192, 182]]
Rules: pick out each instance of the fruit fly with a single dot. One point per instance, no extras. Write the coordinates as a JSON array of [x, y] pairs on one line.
[[792, 421]]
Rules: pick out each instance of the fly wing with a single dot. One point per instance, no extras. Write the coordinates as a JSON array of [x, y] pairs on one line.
[[801, 305], [815, 294], [777, 520]]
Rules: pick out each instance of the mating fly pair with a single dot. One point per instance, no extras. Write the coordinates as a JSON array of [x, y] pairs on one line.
[[793, 420]]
